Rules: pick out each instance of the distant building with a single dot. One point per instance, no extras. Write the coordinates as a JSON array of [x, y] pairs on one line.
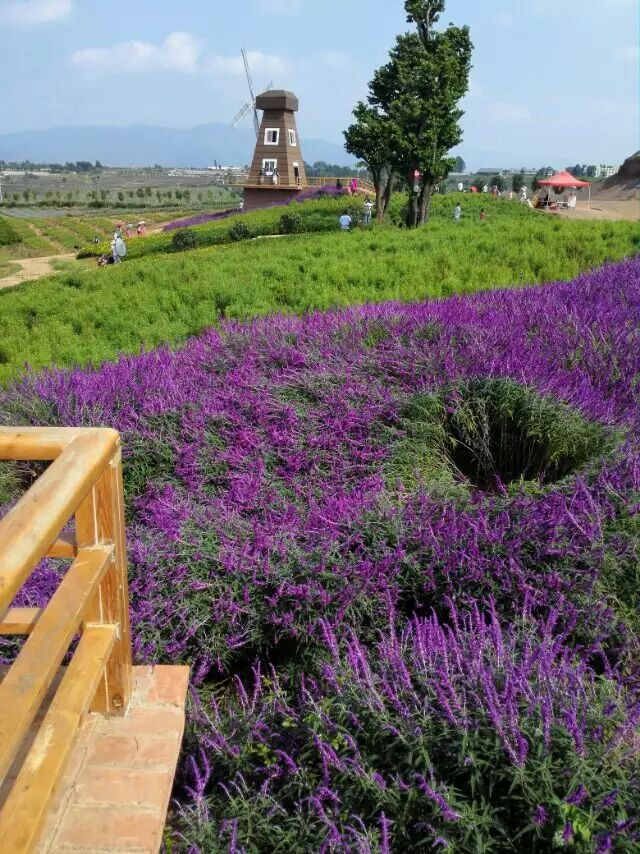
[[603, 171]]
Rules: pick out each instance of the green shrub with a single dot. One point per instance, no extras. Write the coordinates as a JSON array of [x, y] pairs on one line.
[[291, 222], [7, 233], [184, 240], [240, 231]]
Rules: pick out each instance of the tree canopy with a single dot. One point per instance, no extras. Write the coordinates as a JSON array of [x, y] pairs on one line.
[[411, 119]]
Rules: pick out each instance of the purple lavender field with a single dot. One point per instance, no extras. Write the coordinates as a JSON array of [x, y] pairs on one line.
[[399, 547]]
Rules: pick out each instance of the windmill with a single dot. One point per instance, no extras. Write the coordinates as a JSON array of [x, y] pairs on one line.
[[250, 105]]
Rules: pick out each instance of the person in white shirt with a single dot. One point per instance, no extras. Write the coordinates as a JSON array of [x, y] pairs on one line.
[[460, 187], [457, 212], [345, 222], [368, 208]]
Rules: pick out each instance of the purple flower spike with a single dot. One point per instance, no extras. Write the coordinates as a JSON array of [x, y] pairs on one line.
[[578, 796], [540, 816]]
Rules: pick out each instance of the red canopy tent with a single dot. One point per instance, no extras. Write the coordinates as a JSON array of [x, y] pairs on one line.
[[565, 180]]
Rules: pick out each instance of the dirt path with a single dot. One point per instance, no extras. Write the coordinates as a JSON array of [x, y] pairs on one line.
[[33, 268], [602, 209]]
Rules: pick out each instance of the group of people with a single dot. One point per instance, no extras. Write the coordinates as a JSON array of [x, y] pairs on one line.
[[274, 175], [494, 191], [346, 220], [457, 213], [118, 249], [352, 186], [117, 246]]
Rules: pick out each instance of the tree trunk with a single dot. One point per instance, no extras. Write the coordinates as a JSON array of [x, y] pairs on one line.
[[388, 192], [413, 209], [377, 183], [425, 202]]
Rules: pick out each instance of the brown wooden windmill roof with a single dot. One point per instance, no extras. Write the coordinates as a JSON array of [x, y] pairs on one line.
[[277, 99]]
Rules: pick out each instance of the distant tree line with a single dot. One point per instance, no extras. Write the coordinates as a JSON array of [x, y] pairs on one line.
[[134, 198], [69, 166], [321, 169], [583, 171]]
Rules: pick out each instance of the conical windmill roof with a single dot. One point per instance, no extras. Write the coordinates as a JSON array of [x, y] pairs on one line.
[[277, 99]]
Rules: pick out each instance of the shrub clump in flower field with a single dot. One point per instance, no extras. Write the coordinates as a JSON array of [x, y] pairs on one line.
[[184, 240], [399, 547]]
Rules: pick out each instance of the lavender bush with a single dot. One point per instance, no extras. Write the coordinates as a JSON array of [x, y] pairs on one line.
[[460, 735], [398, 641], [200, 219]]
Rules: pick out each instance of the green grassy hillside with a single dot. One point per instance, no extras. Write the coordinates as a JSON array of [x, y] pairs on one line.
[[7, 233], [88, 316]]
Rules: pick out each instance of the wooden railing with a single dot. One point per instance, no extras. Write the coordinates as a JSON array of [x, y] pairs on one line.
[[83, 481], [364, 185]]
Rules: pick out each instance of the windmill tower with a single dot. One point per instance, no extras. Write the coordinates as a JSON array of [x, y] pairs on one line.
[[277, 169]]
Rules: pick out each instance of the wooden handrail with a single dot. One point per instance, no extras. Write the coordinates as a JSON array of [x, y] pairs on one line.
[[84, 481], [33, 525]]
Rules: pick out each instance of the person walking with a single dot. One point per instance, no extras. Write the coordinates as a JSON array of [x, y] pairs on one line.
[[460, 187], [119, 250], [354, 186], [457, 212], [345, 222], [483, 215], [368, 209], [339, 185]]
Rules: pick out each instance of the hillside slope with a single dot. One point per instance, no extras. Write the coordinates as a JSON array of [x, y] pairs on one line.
[[624, 185]]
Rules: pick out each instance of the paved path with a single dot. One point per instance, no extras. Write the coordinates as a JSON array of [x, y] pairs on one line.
[[33, 268]]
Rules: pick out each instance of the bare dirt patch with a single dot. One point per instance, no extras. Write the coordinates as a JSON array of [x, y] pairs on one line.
[[33, 268]]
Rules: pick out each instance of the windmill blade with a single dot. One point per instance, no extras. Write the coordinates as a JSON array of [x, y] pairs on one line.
[[241, 114], [256, 121], [248, 72], [268, 87]]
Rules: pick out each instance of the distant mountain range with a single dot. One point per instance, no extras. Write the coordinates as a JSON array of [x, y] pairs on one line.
[[145, 145]]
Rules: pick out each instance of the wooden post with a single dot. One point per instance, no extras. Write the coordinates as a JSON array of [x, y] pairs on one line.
[[100, 520]]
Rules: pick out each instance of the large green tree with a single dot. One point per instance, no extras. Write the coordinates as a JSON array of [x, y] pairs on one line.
[[413, 106], [371, 139]]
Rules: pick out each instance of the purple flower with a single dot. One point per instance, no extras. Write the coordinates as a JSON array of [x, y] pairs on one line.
[[540, 816], [578, 796], [385, 836], [610, 799], [604, 843]]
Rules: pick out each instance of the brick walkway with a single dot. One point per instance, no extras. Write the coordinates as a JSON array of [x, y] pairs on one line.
[[116, 788]]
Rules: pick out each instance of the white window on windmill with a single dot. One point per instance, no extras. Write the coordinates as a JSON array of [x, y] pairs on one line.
[[271, 136], [292, 137], [269, 166]]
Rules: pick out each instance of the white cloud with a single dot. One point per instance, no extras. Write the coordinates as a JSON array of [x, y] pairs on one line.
[[179, 52], [29, 12], [259, 63]]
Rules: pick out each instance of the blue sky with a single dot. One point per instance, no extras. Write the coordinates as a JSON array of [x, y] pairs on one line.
[[554, 81]]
